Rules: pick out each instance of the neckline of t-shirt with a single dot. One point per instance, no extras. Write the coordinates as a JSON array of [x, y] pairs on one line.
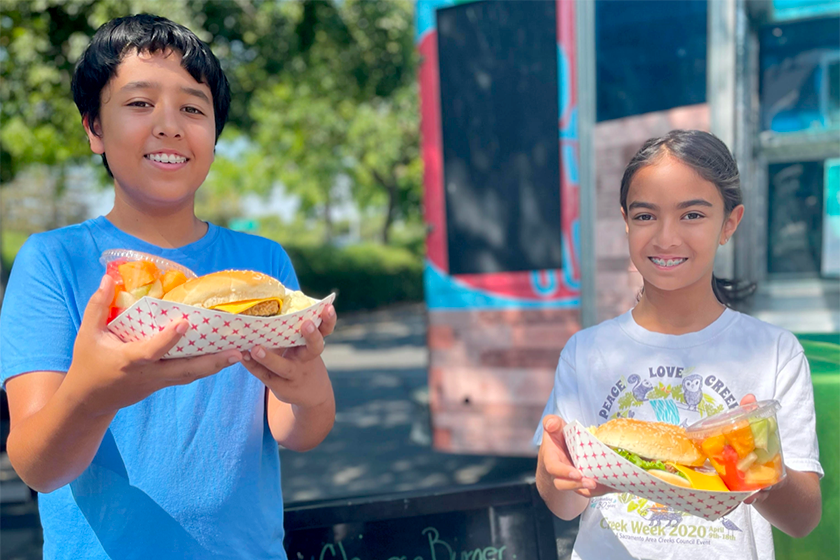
[[635, 331], [137, 244]]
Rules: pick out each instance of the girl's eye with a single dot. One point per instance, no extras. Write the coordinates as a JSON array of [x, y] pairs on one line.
[[193, 110], [643, 217], [139, 104]]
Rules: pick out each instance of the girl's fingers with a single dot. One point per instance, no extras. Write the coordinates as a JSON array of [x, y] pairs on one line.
[[748, 398]]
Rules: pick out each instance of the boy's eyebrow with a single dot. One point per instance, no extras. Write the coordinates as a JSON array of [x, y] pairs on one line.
[[156, 85]]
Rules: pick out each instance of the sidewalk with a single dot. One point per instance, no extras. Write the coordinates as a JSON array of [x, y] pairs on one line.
[[380, 442]]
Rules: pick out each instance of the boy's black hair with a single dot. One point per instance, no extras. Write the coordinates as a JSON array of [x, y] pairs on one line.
[[145, 33]]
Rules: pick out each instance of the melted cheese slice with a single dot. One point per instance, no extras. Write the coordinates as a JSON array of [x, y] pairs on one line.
[[240, 306], [701, 481]]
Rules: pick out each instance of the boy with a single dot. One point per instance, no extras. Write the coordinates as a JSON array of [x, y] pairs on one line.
[[134, 456]]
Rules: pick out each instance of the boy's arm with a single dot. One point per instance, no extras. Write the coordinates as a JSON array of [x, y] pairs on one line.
[[58, 420], [52, 439], [300, 404], [794, 506], [300, 427]]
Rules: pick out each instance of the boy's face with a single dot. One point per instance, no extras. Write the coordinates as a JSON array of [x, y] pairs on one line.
[[157, 128]]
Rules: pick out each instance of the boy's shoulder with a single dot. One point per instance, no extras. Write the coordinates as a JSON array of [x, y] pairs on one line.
[[66, 240], [253, 242]]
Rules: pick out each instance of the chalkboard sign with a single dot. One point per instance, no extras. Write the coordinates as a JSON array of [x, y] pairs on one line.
[[508, 522], [501, 144]]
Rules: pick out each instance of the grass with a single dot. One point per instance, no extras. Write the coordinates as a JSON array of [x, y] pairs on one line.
[[12, 241], [823, 352]]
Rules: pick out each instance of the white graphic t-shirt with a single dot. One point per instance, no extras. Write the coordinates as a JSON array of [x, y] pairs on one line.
[[619, 369]]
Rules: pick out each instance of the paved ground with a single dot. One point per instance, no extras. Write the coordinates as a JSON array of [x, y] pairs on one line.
[[380, 442]]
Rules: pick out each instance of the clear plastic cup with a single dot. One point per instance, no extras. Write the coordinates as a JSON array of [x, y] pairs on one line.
[[743, 445], [137, 275]]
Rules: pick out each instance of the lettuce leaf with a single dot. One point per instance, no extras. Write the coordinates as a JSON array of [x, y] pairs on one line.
[[644, 463]]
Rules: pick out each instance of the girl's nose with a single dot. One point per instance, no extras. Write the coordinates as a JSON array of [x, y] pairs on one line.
[[667, 235]]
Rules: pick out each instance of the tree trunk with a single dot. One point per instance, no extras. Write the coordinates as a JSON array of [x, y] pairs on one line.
[[391, 188]]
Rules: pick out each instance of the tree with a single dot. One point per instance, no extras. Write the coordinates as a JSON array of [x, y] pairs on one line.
[[346, 105], [308, 80]]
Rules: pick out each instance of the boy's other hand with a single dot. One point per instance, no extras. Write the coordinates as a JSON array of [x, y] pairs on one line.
[[108, 374], [296, 376], [554, 455]]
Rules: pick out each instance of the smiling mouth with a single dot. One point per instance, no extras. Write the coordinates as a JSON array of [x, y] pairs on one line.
[[166, 158], [667, 262]]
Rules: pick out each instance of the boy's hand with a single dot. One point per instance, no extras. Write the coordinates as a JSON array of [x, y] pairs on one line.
[[554, 454], [108, 374], [296, 376]]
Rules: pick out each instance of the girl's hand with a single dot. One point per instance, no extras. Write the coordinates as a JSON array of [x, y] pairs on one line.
[[108, 374], [554, 455], [296, 376]]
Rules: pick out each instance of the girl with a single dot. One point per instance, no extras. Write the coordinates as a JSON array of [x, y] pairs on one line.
[[680, 355]]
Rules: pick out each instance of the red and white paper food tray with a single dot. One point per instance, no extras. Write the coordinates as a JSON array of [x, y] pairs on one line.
[[213, 331], [596, 460]]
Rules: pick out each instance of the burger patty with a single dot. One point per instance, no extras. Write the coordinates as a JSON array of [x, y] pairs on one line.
[[263, 309]]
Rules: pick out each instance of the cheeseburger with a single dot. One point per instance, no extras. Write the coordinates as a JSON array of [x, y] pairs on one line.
[[236, 291], [663, 450]]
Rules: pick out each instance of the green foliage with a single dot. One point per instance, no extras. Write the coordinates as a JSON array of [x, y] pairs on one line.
[[11, 243], [322, 90], [364, 276]]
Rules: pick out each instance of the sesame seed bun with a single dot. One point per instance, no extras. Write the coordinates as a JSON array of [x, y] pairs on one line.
[[651, 440], [228, 286]]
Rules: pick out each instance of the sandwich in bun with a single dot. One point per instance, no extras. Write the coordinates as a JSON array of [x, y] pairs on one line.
[[663, 450], [242, 292]]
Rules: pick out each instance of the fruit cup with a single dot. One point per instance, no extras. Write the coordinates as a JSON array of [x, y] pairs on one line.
[[743, 445], [139, 274]]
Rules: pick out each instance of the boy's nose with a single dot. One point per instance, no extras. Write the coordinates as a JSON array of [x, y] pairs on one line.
[[167, 125]]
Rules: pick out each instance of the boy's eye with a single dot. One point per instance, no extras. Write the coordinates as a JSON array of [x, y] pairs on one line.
[[643, 217], [139, 104], [693, 216], [193, 110]]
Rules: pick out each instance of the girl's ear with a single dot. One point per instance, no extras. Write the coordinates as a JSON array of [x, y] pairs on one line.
[[94, 135], [731, 223], [626, 225]]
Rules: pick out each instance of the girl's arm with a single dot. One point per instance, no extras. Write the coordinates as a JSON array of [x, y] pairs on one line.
[[794, 506], [565, 491]]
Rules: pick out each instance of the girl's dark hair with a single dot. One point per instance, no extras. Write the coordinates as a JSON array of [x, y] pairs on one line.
[[709, 157], [151, 34]]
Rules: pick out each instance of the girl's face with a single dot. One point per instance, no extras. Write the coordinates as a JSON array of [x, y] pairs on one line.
[[675, 222]]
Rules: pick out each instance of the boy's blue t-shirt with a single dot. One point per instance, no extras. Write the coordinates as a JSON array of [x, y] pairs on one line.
[[189, 472]]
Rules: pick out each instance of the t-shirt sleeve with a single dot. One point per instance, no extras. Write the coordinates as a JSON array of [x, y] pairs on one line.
[[286, 270], [37, 331], [564, 399], [797, 418]]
